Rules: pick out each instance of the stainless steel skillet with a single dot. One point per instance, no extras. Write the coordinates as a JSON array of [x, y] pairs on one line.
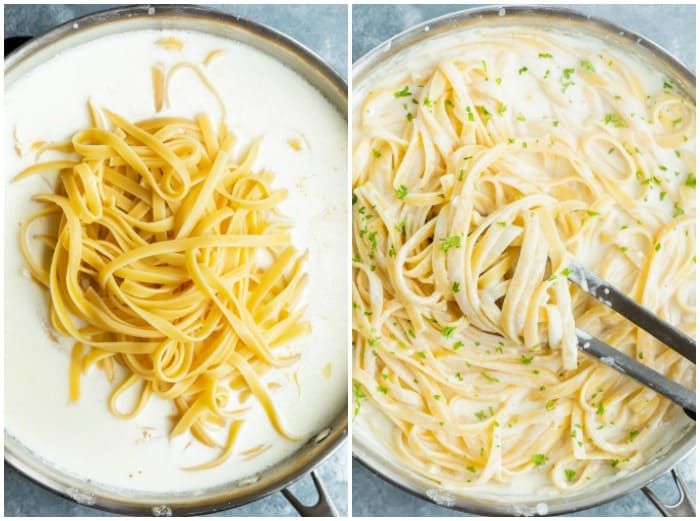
[[364, 450], [319, 447]]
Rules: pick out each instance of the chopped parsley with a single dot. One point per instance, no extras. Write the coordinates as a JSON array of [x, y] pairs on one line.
[[545, 55], [455, 287], [690, 180], [401, 191], [484, 111], [382, 389], [454, 241], [677, 210], [481, 415], [587, 65], [522, 70], [570, 474], [490, 378], [376, 153], [526, 359], [539, 459], [633, 434], [470, 114], [359, 394], [403, 93], [600, 410], [549, 405], [447, 331], [614, 119], [457, 345]]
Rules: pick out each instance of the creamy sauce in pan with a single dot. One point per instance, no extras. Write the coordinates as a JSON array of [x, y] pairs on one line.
[[304, 144], [519, 85]]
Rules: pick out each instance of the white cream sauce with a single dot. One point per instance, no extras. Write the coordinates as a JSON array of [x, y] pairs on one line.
[[264, 99], [519, 89]]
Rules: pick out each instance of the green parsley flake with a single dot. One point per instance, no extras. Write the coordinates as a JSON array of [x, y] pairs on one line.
[[401, 191], [490, 378], [484, 111], [614, 119], [690, 180], [549, 405], [359, 394], [455, 287], [570, 474], [587, 65], [447, 331], [522, 70], [403, 93], [457, 345], [376, 153], [470, 114], [526, 359], [538, 459], [545, 55], [455, 241], [382, 389]]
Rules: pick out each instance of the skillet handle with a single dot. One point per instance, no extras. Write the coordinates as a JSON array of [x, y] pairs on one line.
[[322, 508], [684, 507]]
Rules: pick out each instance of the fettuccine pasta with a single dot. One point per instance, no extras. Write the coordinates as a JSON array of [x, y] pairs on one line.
[[483, 164], [172, 269]]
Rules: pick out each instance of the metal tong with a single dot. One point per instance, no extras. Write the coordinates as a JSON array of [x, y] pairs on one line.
[[642, 317]]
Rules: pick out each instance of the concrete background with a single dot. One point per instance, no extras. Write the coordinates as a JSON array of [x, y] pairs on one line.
[[322, 28], [672, 27]]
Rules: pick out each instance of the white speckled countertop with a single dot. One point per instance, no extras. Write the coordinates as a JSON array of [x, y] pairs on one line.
[[322, 29], [672, 27]]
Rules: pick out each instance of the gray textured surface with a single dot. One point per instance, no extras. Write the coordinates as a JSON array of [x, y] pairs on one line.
[[372, 24], [672, 27], [324, 30]]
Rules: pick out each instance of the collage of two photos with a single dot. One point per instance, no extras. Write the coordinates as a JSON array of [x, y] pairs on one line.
[[349, 260]]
